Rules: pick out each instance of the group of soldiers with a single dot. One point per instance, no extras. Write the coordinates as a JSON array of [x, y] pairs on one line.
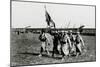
[[75, 42]]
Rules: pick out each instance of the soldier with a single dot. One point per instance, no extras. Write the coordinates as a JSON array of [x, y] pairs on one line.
[[65, 46], [55, 43], [79, 43], [72, 39], [42, 38]]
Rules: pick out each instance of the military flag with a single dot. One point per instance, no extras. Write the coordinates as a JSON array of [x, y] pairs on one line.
[[49, 20]]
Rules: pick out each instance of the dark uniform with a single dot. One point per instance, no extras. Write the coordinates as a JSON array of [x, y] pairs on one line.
[[55, 43]]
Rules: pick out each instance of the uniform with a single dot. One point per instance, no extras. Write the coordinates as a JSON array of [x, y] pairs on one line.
[[79, 43]]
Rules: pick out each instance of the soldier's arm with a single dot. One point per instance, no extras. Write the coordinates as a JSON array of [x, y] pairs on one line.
[[69, 42], [82, 41], [73, 38]]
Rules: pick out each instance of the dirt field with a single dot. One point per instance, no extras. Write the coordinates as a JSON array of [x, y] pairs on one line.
[[25, 49]]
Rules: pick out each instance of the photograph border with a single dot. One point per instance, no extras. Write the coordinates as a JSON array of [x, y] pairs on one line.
[[48, 3]]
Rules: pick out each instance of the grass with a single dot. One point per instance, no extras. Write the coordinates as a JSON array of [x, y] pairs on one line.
[[25, 49]]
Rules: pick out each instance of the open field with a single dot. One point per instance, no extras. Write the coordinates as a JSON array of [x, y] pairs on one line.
[[25, 49]]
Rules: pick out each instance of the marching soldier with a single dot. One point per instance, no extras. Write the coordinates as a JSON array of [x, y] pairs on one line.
[[72, 39], [79, 43], [42, 39]]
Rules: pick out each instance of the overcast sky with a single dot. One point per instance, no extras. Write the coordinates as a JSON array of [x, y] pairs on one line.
[[33, 14]]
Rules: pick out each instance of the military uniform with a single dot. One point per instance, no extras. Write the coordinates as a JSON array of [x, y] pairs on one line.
[[79, 43]]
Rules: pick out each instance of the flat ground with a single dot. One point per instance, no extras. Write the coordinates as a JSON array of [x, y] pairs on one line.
[[25, 49]]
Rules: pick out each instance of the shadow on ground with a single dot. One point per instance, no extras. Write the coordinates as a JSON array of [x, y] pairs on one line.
[[43, 55]]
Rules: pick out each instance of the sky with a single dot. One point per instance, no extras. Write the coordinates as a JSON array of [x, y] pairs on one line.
[[33, 14]]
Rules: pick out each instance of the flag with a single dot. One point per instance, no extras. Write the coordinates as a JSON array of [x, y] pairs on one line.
[[49, 20]]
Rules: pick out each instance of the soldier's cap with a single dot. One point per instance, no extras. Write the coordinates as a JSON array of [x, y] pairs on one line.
[[70, 31], [78, 32], [66, 31]]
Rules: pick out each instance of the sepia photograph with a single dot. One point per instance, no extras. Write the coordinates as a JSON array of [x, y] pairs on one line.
[[44, 33]]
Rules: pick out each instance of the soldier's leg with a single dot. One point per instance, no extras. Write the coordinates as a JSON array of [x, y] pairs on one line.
[[47, 48], [59, 49], [62, 53], [53, 52], [80, 48], [42, 48], [74, 49], [77, 50]]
